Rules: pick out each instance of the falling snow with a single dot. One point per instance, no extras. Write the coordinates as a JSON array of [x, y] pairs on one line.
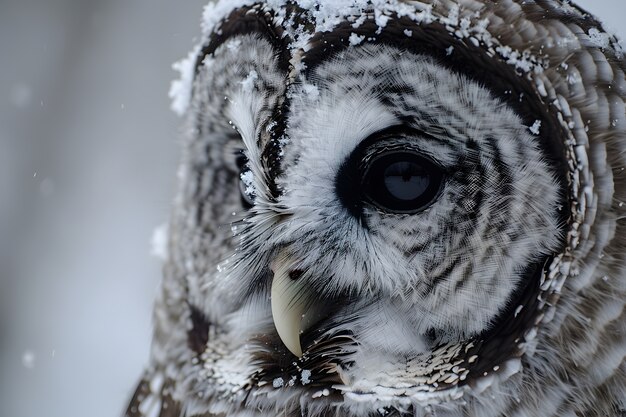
[[28, 359], [158, 243]]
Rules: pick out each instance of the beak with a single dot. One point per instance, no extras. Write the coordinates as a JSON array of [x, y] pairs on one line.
[[292, 303]]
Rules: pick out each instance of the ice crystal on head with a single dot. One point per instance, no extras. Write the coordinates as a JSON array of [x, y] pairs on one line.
[[381, 19], [248, 181], [521, 61], [278, 382], [305, 377], [599, 39], [356, 39], [326, 15], [534, 129], [180, 90]]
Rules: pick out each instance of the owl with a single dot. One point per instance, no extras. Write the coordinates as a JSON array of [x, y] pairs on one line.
[[390, 208]]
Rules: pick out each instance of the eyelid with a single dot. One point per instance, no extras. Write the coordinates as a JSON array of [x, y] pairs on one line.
[[401, 144]]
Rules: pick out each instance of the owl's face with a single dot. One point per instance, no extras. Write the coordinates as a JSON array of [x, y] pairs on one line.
[[372, 216], [393, 201], [404, 193]]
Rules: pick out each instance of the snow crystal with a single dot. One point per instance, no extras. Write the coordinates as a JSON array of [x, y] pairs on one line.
[[323, 393], [381, 19], [534, 129], [305, 377], [278, 382], [158, 243], [248, 181], [326, 15], [28, 359], [356, 39], [180, 90], [599, 39], [408, 32], [449, 50], [247, 85]]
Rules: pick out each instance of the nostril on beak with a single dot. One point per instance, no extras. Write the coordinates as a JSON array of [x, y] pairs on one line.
[[295, 274]]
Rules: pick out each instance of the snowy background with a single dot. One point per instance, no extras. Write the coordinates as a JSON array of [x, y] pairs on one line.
[[88, 153]]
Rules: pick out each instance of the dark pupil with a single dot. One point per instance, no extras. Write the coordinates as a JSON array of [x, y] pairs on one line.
[[401, 181], [406, 180]]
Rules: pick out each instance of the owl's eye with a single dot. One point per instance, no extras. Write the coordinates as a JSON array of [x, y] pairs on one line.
[[401, 182], [245, 181]]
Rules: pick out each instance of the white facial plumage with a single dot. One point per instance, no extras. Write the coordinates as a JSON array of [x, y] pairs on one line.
[[396, 207]]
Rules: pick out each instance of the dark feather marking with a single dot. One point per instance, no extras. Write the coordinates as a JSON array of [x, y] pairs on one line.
[[244, 21], [468, 173], [141, 392], [169, 406], [501, 342], [198, 335], [323, 353]]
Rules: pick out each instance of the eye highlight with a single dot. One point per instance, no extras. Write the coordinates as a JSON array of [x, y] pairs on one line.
[[401, 181]]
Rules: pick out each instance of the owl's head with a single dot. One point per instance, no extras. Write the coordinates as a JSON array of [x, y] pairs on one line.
[[379, 201]]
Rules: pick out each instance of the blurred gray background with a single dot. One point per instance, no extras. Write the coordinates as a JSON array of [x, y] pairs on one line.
[[88, 153]]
